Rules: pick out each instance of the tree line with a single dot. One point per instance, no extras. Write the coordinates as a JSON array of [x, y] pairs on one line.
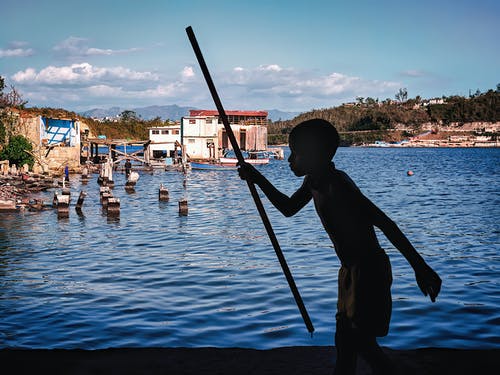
[[373, 119]]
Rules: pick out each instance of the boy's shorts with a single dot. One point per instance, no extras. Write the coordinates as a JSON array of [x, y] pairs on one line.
[[364, 295]]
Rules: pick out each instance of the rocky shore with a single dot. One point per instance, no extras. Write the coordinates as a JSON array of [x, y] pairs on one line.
[[18, 188]]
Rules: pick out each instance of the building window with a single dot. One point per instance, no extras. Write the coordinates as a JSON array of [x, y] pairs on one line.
[[192, 122], [164, 132], [176, 131], [155, 132], [191, 140], [209, 121]]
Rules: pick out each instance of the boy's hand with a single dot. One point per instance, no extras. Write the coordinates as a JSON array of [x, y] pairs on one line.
[[249, 173], [428, 281]]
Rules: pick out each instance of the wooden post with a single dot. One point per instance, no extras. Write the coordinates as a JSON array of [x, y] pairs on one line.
[[104, 194], [105, 199], [66, 191], [103, 189], [85, 175], [62, 205], [79, 203], [183, 207], [113, 207], [131, 181], [163, 194]]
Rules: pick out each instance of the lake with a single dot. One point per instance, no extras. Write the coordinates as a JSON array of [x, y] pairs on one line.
[[153, 278]]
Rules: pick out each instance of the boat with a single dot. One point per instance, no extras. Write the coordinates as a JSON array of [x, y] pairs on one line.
[[211, 166], [229, 161], [251, 157]]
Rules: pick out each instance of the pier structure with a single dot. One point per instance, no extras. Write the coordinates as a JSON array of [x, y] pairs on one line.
[[114, 156]]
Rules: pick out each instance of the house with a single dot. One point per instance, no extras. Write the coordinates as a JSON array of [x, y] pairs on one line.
[[165, 140], [56, 141], [203, 135]]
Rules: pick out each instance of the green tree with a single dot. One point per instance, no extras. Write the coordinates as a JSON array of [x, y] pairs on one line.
[[15, 151], [128, 115], [402, 95]]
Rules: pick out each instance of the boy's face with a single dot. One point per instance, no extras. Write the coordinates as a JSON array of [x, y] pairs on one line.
[[301, 162], [306, 157]]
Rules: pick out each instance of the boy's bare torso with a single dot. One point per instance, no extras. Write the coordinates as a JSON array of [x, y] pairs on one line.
[[345, 215]]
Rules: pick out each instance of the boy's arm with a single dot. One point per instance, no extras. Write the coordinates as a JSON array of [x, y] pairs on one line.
[[428, 281], [288, 206]]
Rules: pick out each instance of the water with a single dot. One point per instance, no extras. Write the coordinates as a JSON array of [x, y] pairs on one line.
[[153, 278]]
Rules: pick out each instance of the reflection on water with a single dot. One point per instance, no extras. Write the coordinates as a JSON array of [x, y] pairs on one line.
[[154, 278]]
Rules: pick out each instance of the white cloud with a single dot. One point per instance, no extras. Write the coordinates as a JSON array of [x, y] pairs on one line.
[[414, 73], [187, 72], [16, 49], [271, 67], [79, 47], [260, 87], [83, 73], [295, 89]]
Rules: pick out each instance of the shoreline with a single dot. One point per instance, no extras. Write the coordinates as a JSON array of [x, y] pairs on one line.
[[311, 360], [389, 145]]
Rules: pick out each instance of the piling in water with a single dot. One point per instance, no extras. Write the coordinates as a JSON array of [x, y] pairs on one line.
[[105, 199], [183, 207], [104, 189], [163, 194], [62, 205], [131, 181], [113, 207], [81, 198]]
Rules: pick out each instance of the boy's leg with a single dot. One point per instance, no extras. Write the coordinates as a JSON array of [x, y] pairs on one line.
[[368, 348], [346, 347]]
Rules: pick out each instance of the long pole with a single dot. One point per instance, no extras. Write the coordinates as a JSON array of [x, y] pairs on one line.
[[251, 186]]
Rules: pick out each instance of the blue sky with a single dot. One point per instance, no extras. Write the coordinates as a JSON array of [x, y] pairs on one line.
[[287, 55]]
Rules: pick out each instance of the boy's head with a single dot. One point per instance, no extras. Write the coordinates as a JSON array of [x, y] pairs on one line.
[[315, 136], [313, 144]]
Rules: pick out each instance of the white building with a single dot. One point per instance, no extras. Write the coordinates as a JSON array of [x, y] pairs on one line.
[[165, 140], [204, 137]]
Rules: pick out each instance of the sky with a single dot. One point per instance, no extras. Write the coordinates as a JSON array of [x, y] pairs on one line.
[[262, 54]]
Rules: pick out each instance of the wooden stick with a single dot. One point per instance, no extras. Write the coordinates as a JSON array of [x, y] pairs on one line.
[[251, 186]]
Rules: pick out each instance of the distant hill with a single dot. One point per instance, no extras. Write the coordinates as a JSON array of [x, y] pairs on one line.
[[171, 112], [277, 115]]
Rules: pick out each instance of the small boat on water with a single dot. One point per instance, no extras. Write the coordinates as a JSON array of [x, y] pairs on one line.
[[211, 166], [229, 161], [251, 157]]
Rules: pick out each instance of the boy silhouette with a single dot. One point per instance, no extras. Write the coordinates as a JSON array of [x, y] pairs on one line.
[[364, 281]]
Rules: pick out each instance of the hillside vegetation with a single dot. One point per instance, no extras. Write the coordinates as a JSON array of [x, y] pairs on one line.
[[369, 120]]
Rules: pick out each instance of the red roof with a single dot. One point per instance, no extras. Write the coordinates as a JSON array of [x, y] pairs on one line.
[[205, 112]]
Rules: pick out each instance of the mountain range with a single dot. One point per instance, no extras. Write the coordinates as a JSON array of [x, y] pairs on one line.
[[171, 112]]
